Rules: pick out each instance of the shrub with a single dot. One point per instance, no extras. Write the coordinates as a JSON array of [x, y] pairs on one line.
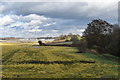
[[75, 41], [82, 46], [67, 40], [93, 51], [40, 43]]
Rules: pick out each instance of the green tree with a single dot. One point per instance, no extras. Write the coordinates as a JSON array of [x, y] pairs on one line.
[[114, 45], [79, 43], [97, 34]]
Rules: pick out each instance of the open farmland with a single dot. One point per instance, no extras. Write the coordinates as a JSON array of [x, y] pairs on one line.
[[32, 61]]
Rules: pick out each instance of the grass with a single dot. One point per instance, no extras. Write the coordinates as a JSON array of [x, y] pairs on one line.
[[61, 43], [28, 61], [104, 58]]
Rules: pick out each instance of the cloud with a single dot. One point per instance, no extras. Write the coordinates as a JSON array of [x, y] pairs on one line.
[[55, 30], [14, 25], [73, 10], [49, 24], [31, 19], [35, 30], [28, 21], [6, 20], [81, 30], [59, 1], [29, 26]]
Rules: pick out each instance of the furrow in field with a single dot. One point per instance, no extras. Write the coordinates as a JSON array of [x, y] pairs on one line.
[[70, 55], [75, 57], [53, 62], [9, 56], [55, 67], [29, 55], [48, 53]]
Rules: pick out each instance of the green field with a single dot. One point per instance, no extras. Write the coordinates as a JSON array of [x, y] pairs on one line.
[[32, 61]]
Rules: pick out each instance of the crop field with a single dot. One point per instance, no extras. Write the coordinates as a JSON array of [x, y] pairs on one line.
[[32, 61]]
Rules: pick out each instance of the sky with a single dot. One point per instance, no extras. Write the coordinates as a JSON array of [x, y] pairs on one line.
[[39, 19]]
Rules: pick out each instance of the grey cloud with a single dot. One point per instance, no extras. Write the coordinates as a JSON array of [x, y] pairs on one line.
[[68, 17], [74, 10]]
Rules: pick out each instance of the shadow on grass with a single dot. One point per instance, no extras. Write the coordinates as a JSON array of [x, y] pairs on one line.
[[64, 45], [35, 45], [54, 62]]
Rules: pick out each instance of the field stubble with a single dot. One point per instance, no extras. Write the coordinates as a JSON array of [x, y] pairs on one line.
[[28, 61]]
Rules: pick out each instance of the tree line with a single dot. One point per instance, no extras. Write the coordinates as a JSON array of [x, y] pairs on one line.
[[100, 35], [67, 37]]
